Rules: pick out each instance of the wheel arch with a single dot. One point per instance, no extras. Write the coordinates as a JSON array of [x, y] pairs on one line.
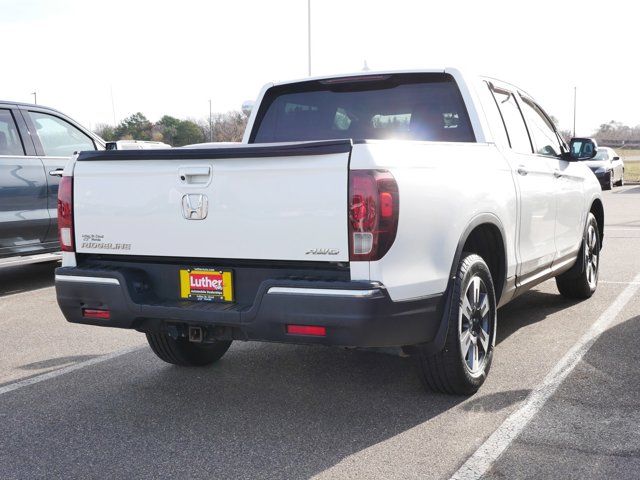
[[488, 227], [484, 235], [597, 208]]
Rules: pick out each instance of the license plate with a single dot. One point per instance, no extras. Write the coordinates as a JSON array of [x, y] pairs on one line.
[[207, 285]]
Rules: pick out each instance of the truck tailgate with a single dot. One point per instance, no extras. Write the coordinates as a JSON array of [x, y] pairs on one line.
[[267, 202]]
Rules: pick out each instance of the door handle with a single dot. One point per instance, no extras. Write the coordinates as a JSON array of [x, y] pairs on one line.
[[557, 174], [522, 171], [196, 175], [57, 172]]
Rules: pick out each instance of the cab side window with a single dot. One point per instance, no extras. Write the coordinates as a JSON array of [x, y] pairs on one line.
[[10, 143], [513, 121], [542, 132], [58, 137]]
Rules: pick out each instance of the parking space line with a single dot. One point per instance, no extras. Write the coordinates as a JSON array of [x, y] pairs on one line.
[[619, 283], [481, 461], [63, 371]]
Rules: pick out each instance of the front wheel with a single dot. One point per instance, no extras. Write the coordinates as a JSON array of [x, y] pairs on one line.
[[180, 351], [463, 364], [583, 284]]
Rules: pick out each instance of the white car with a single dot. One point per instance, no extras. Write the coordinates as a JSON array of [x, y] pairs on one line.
[[337, 222], [608, 168]]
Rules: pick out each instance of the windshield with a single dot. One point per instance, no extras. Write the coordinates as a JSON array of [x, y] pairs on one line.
[[601, 155], [407, 106]]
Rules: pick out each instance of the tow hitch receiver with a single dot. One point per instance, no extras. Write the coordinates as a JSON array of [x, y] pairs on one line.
[[196, 334]]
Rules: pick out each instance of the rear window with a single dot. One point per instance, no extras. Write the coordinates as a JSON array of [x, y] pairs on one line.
[[425, 107]]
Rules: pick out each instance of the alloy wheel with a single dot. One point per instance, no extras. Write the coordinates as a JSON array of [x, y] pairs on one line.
[[475, 326]]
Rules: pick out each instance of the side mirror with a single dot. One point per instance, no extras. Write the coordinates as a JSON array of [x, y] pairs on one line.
[[616, 158], [582, 148]]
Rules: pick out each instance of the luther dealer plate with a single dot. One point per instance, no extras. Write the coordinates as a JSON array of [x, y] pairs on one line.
[[206, 285]]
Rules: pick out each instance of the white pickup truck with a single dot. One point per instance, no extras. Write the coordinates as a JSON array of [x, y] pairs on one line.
[[394, 209]]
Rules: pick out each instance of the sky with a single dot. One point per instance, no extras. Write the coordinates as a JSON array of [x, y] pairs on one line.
[[160, 57]]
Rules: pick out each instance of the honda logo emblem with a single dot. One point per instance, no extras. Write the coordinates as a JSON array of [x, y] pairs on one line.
[[195, 206]]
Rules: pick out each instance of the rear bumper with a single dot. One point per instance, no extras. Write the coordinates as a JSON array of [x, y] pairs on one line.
[[353, 313]]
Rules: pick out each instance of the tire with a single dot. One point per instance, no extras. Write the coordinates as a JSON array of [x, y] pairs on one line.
[[472, 318], [583, 284], [621, 182], [609, 184], [184, 353]]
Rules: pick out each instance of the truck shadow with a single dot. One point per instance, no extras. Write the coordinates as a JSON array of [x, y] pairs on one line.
[[27, 277], [531, 307], [264, 411]]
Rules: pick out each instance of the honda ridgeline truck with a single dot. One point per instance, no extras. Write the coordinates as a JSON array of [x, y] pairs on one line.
[[393, 209]]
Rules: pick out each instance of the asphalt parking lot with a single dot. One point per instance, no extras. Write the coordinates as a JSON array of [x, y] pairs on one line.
[[278, 411]]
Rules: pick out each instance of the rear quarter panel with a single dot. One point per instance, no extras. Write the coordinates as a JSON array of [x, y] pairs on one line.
[[442, 188]]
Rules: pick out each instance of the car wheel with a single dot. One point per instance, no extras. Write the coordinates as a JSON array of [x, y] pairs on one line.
[[609, 184], [621, 182], [180, 351], [582, 284], [463, 364]]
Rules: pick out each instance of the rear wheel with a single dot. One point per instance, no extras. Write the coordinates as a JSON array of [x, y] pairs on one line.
[[463, 364], [180, 351], [583, 284]]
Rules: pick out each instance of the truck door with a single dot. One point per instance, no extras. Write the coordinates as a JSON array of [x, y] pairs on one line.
[[569, 178], [535, 182], [24, 218]]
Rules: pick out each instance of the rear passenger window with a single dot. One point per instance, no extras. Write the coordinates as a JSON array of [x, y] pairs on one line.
[[542, 131], [58, 137], [516, 128], [10, 143]]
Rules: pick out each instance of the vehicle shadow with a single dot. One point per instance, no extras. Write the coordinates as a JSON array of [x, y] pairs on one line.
[[634, 190], [25, 278], [264, 411], [531, 307]]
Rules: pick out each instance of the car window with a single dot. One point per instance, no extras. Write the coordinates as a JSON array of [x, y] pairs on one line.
[[541, 130], [58, 137], [516, 128], [494, 117], [10, 143], [427, 107]]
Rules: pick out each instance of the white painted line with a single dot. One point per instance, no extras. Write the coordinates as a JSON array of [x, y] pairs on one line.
[[63, 371], [629, 229], [619, 283], [481, 461]]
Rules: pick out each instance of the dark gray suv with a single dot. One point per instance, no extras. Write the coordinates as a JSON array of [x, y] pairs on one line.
[[35, 144]]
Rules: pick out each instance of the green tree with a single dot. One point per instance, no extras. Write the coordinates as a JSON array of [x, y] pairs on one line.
[[135, 127], [187, 132], [168, 126]]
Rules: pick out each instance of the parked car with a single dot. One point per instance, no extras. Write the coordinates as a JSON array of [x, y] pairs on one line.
[[608, 168], [35, 144], [296, 237]]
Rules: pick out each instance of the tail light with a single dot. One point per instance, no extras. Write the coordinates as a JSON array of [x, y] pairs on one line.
[[65, 214], [373, 213]]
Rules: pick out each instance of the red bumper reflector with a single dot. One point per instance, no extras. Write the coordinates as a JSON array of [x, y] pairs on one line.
[[95, 313], [307, 330]]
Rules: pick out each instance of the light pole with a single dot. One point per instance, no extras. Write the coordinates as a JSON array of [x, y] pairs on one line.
[[35, 97], [210, 123], [309, 32], [575, 97]]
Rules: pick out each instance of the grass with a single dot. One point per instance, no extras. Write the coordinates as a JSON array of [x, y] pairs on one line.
[[632, 172]]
